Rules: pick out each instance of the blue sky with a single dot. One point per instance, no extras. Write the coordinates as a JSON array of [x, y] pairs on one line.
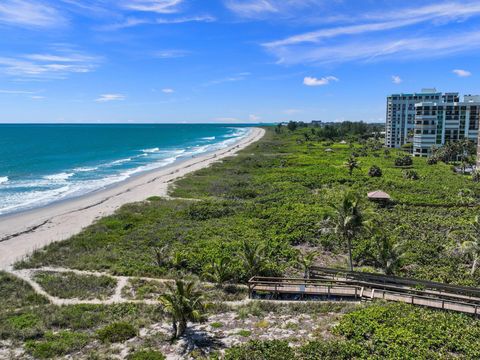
[[229, 60]]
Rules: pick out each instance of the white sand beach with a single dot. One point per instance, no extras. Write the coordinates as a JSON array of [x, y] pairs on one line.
[[22, 233]]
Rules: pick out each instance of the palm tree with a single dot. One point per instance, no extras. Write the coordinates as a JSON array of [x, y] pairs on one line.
[[351, 164], [184, 303], [218, 271], [471, 246], [349, 221], [253, 256], [306, 262]]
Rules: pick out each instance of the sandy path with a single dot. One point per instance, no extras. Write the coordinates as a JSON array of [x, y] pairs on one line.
[[23, 233]]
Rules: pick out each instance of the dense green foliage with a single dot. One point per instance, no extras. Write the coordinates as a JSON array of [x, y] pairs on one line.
[[276, 194], [70, 285], [146, 355], [117, 332], [397, 331], [265, 350], [56, 344]]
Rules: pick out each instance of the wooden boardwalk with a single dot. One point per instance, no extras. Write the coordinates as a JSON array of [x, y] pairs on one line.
[[342, 285]]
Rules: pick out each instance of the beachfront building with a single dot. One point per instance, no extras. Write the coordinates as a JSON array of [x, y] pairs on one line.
[[443, 121], [400, 123]]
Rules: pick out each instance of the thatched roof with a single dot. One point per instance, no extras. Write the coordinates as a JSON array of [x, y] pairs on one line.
[[378, 195], [329, 150]]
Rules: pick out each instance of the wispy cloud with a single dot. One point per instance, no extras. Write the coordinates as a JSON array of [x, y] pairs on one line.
[[48, 66], [236, 77], [17, 92], [396, 79], [171, 54], [254, 118], [361, 41], [462, 73], [258, 9], [186, 19], [168, 91], [313, 81], [110, 97], [156, 6], [30, 13]]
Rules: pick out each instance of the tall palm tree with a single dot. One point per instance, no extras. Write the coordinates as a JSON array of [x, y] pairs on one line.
[[253, 256], [388, 252], [471, 246], [218, 271], [349, 221], [306, 261], [184, 303], [351, 164]]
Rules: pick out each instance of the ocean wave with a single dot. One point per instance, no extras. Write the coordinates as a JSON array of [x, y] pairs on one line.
[[209, 138], [151, 151], [59, 177], [3, 179], [86, 169], [118, 162]]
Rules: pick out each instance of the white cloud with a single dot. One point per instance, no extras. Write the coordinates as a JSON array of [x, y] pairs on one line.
[[254, 118], [48, 66], [358, 41], [16, 92], [185, 19], [170, 54], [251, 8], [462, 73], [168, 91], [156, 6], [396, 79], [37, 97], [313, 81], [236, 77], [30, 13], [110, 97]]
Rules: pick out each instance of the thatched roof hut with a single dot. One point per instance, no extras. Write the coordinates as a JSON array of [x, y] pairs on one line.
[[379, 195]]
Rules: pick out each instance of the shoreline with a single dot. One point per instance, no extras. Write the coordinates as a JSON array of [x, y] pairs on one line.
[[22, 233]]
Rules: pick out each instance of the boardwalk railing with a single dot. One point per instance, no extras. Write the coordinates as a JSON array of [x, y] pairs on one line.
[[320, 272], [355, 289]]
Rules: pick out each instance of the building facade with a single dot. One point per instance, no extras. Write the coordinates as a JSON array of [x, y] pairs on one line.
[[438, 123], [400, 124]]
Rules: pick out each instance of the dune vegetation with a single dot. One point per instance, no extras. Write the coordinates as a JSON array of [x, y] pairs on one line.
[[274, 209]]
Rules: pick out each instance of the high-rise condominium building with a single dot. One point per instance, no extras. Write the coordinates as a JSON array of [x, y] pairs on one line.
[[437, 123], [400, 123], [431, 118]]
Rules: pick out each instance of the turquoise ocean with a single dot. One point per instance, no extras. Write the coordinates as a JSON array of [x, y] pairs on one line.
[[41, 164]]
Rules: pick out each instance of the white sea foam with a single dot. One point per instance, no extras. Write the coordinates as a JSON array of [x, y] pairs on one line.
[[85, 169], [151, 151], [55, 187], [59, 177], [209, 138]]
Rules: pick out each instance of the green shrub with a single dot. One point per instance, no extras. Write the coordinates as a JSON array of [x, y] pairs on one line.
[[432, 160], [146, 355], [22, 326], [58, 344], [404, 161], [410, 175], [264, 350], [117, 332], [375, 171], [476, 176], [332, 350]]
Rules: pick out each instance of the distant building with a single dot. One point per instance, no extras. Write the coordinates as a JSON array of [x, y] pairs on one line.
[[400, 122], [431, 118], [437, 123]]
